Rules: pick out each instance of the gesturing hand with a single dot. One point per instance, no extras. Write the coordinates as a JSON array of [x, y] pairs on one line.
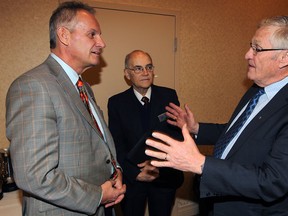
[[178, 117], [183, 156]]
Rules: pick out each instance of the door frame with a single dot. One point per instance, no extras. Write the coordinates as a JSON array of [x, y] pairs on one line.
[[151, 10]]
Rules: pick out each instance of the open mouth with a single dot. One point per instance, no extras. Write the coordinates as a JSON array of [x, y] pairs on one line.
[[96, 52], [250, 65]]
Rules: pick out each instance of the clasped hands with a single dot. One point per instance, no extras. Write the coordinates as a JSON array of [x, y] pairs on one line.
[[113, 190], [148, 172], [181, 155]]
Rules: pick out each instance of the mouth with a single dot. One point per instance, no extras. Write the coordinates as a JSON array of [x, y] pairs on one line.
[[97, 52], [146, 79], [250, 65]]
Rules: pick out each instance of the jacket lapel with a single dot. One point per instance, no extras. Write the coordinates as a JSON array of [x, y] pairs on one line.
[[279, 100], [69, 89]]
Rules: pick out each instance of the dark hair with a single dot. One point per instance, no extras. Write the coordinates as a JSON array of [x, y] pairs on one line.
[[64, 15]]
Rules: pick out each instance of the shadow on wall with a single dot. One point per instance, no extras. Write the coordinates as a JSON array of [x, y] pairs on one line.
[[93, 75]]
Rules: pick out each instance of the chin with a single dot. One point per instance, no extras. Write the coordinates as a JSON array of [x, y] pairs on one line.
[[251, 75]]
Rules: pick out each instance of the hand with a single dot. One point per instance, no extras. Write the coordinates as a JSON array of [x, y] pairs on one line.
[[178, 117], [113, 191], [148, 172], [183, 156]]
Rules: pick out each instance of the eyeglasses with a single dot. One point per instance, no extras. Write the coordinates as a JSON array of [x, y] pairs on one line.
[[256, 49], [139, 69]]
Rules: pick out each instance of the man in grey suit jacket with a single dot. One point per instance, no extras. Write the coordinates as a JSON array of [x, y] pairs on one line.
[[61, 161], [250, 177]]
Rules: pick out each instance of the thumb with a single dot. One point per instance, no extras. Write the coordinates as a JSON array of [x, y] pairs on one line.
[[185, 132], [187, 109]]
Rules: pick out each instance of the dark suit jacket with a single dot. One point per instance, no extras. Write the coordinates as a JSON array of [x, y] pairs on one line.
[[59, 158], [253, 179], [124, 112]]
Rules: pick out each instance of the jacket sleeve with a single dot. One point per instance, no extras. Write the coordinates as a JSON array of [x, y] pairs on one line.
[[130, 171], [209, 133], [32, 128]]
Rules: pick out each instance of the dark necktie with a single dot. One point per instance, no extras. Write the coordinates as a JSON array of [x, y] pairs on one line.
[[145, 100], [145, 113], [84, 97], [230, 134]]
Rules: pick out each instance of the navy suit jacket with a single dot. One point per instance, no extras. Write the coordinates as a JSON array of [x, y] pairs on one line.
[[253, 179], [125, 124]]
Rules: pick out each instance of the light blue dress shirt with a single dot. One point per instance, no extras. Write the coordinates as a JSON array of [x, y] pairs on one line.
[[73, 76], [270, 92]]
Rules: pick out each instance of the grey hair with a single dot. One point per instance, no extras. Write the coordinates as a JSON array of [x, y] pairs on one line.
[[279, 38], [64, 15]]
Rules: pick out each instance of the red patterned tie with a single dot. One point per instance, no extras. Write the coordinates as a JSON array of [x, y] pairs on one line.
[[84, 97]]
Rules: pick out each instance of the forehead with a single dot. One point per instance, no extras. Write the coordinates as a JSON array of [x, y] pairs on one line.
[[140, 58], [263, 35], [87, 21]]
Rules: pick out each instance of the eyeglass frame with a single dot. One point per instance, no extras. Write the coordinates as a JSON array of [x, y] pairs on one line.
[[139, 69], [256, 49]]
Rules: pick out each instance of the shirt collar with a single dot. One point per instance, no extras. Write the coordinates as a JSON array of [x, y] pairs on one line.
[[139, 96], [274, 88], [73, 76]]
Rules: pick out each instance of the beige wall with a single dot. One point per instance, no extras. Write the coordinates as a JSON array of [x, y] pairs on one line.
[[214, 36]]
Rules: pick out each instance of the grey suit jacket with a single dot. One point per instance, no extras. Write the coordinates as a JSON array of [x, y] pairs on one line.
[[58, 156]]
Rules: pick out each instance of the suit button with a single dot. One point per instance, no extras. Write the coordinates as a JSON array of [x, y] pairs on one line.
[[108, 161]]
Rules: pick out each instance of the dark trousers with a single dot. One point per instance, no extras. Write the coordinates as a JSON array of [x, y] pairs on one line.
[[160, 200], [109, 211]]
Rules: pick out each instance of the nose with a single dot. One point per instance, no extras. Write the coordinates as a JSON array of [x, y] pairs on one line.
[[145, 71], [249, 54], [100, 42]]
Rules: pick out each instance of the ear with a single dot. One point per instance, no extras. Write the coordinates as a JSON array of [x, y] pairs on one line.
[[284, 60], [127, 74], [63, 35]]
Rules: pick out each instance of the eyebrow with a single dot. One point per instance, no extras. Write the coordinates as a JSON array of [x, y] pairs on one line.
[[142, 66]]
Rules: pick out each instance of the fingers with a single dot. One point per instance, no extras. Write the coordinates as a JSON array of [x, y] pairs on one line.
[[153, 153], [161, 163], [186, 133], [188, 111], [175, 107], [118, 200], [140, 165], [164, 138], [164, 148], [113, 182], [173, 111], [119, 195], [111, 194]]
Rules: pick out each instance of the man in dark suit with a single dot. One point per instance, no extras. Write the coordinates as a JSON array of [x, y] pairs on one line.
[[131, 122], [63, 163], [249, 176]]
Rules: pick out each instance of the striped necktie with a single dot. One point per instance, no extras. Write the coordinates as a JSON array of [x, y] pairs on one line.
[[235, 128], [84, 97]]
